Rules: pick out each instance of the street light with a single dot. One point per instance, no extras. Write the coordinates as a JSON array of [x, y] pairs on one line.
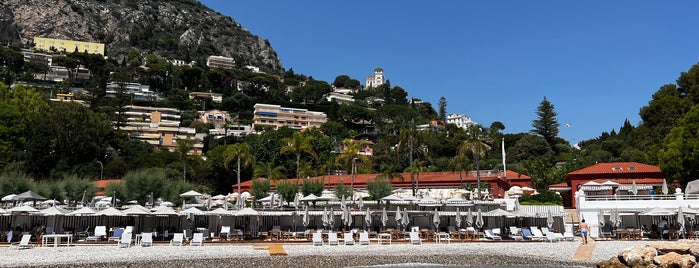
[[101, 169]]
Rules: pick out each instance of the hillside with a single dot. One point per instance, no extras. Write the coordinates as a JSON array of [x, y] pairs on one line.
[[181, 29]]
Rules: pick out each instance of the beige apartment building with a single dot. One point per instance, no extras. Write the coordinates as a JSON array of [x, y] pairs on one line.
[[160, 127], [276, 116]]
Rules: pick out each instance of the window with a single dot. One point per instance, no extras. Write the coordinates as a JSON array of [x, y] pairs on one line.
[[617, 169], [632, 168]]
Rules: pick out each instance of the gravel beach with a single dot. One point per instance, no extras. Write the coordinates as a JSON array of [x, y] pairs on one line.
[[502, 254]]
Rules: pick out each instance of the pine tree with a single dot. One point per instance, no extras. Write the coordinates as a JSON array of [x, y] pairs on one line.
[[546, 125]]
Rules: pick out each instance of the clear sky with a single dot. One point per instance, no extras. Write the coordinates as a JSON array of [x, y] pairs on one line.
[[597, 62]]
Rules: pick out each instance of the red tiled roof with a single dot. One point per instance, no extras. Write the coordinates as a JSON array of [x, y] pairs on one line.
[[424, 179], [100, 184], [616, 168]]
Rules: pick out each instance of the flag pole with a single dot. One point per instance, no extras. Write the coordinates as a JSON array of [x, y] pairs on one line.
[[504, 166]]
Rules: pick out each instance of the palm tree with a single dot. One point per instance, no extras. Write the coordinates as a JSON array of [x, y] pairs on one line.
[[349, 156], [475, 143], [269, 171], [182, 151], [298, 145], [411, 138], [242, 154]]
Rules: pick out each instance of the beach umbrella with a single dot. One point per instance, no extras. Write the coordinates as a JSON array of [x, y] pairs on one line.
[[360, 203], [469, 217], [600, 219], [110, 212], [343, 203], [331, 218], [680, 220], [272, 200], [114, 199], [479, 219], [324, 218], [384, 217], [458, 218], [617, 218], [239, 202], [296, 201], [83, 211], [398, 216], [435, 219], [83, 201], [164, 211], [225, 203], [305, 218], [406, 217], [9, 197], [191, 193], [24, 208], [549, 219], [348, 217], [29, 195], [367, 217], [247, 212], [634, 188], [665, 190]]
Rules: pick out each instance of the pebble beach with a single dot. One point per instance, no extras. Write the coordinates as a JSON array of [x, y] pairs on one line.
[[485, 254]]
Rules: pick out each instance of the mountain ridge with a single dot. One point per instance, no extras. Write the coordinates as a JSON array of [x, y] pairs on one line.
[[176, 29]]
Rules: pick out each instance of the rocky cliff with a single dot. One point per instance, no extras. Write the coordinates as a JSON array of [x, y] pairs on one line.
[[181, 29]]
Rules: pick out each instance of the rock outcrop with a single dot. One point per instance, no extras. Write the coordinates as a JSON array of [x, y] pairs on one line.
[[683, 253]]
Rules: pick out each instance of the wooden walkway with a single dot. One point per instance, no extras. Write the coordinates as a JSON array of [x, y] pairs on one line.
[[584, 252]]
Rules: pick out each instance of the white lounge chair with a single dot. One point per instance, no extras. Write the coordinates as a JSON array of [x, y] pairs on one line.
[[100, 231], [364, 238], [116, 235], [490, 235], [515, 234], [124, 240], [537, 233], [529, 235], [569, 236], [177, 239], [23, 243], [332, 239], [317, 239], [146, 239], [197, 239], [348, 238], [225, 232], [415, 238], [551, 237]]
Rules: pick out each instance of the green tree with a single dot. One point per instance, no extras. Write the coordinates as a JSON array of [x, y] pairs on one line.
[[342, 190], [287, 190], [267, 170], [297, 145], [350, 155], [443, 109], [74, 188], [679, 156], [184, 146], [313, 186], [242, 154], [260, 188], [475, 144], [546, 124], [379, 188]]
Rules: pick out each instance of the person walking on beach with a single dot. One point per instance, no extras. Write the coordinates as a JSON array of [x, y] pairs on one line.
[[584, 229]]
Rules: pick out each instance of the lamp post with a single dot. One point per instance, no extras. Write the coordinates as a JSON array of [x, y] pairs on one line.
[[101, 169]]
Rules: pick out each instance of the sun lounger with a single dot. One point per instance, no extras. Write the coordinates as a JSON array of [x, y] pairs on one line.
[[551, 237], [225, 232], [124, 240], [197, 239], [116, 235], [332, 239], [100, 231], [490, 235], [23, 243], [348, 238], [569, 236], [317, 239], [528, 235], [537, 233], [364, 238], [515, 234], [415, 238], [146, 239], [177, 239]]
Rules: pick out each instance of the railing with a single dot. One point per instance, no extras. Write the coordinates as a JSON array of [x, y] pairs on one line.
[[635, 197]]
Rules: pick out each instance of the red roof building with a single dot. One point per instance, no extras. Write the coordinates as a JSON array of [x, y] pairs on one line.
[[621, 173], [497, 180], [101, 184]]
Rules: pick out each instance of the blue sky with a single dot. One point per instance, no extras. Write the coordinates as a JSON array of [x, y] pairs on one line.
[[598, 62]]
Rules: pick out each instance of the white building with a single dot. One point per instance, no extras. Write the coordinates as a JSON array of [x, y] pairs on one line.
[[460, 120], [376, 79], [340, 98], [136, 90], [220, 62], [275, 116]]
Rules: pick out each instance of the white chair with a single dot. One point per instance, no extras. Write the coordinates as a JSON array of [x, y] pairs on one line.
[[100, 231], [348, 238], [23, 243], [415, 238], [225, 232], [116, 235], [364, 238], [177, 239], [568, 236], [332, 239], [489, 234], [146, 239], [551, 237], [197, 239], [125, 240], [317, 239], [537, 233]]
